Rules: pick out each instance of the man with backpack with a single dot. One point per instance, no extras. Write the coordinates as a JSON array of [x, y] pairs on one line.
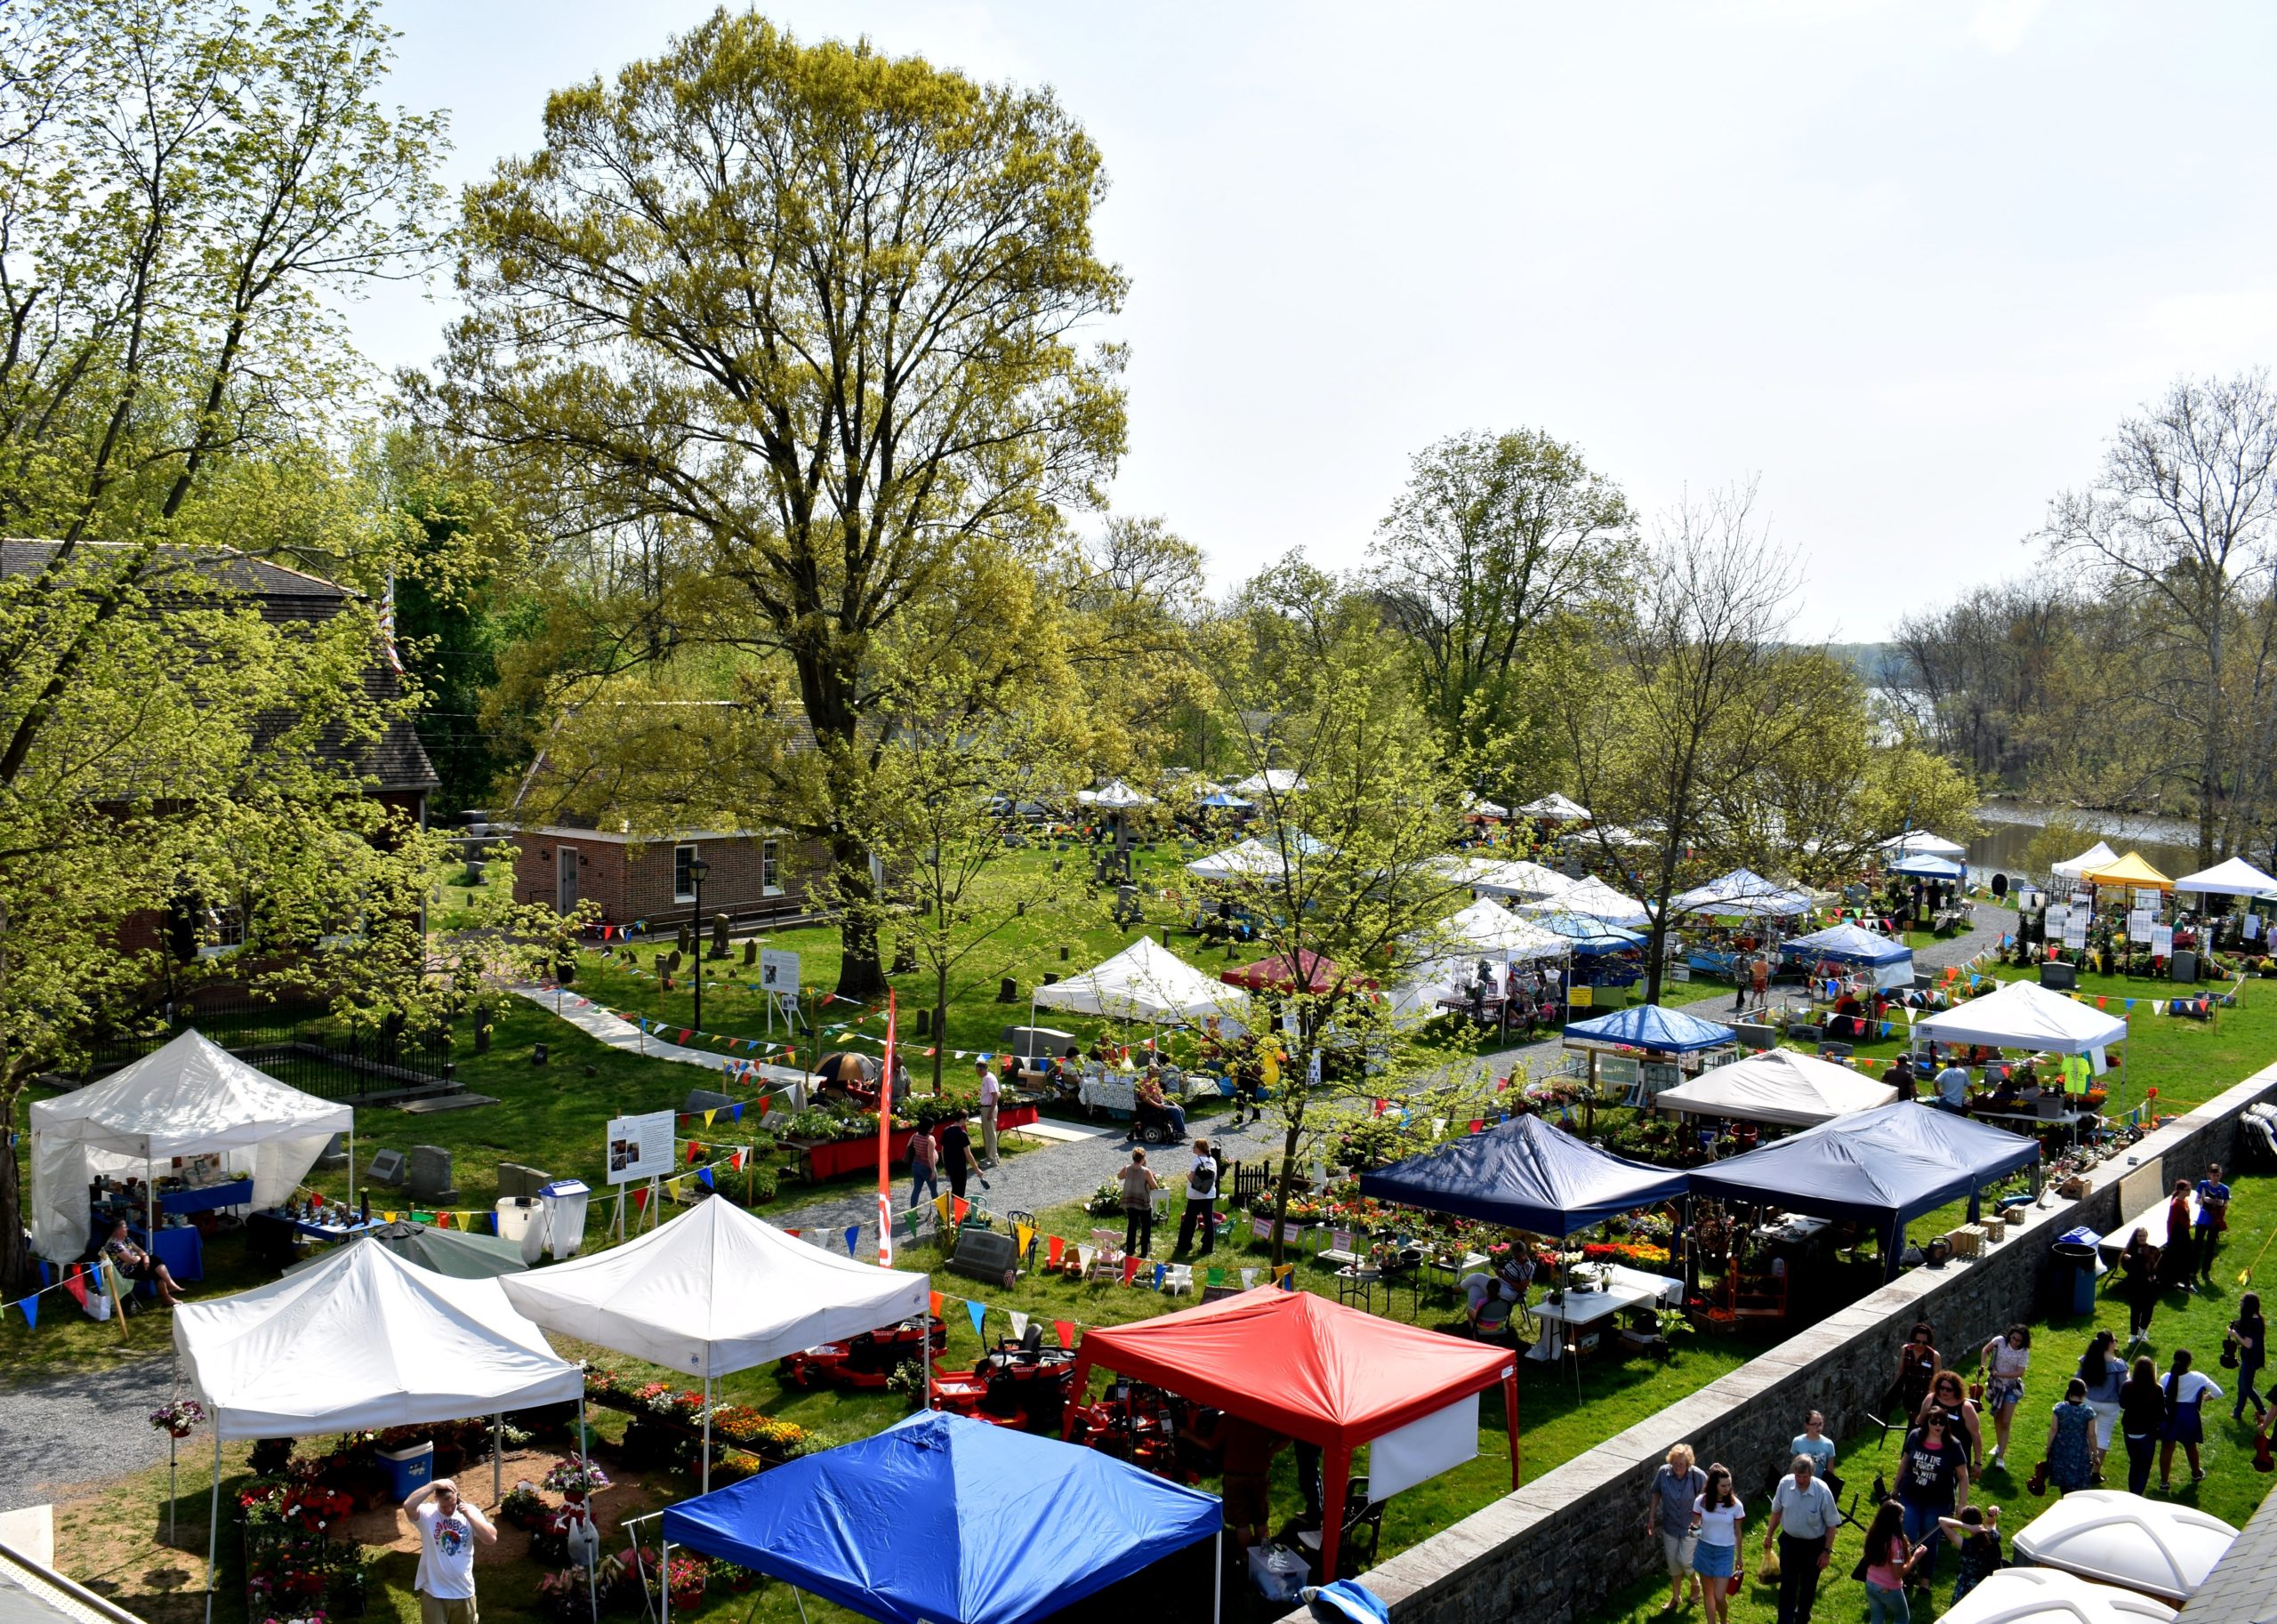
[[1201, 1201]]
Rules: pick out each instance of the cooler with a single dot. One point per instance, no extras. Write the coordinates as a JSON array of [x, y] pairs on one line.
[[408, 1469]]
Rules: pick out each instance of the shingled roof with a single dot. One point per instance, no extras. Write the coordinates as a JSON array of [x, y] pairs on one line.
[[397, 760]]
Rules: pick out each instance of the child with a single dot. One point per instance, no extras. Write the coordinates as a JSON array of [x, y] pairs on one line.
[[1976, 1535]]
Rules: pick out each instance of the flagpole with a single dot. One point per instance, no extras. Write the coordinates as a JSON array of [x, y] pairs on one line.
[[885, 1155]]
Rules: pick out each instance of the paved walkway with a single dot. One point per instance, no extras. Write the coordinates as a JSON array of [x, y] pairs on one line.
[[619, 1033]]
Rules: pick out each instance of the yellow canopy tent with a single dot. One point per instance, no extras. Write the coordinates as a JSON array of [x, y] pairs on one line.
[[2130, 870]]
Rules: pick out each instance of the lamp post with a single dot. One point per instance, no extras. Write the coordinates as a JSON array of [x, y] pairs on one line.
[[697, 868]]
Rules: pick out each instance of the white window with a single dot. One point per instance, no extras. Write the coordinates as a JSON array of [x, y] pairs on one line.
[[683, 882], [770, 868]]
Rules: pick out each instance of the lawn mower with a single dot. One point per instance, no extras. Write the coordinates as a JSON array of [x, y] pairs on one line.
[[1021, 1385], [1156, 1431], [864, 1361]]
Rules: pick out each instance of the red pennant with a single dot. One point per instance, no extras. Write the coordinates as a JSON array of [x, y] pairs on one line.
[[640, 1199], [765, 1100], [1066, 1332], [695, 1152], [442, 1220], [685, 1033], [1052, 1249], [958, 1208], [1477, 1125], [77, 1286], [793, 1234], [1130, 1269], [937, 1305]]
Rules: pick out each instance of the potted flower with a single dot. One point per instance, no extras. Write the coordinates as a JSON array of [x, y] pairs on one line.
[[575, 1476], [685, 1578], [523, 1506], [176, 1417]]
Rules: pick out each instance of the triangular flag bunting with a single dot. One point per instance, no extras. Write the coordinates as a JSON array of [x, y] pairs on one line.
[[1064, 1332], [1052, 1248], [1083, 1256], [937, 1305], [979, 1312], [1019, 1326], [1130, 1269], [1026, 1233], [963, 1207], [853, 1235]]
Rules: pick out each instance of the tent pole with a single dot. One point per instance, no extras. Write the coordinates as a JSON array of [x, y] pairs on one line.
[[172, 1444], [497, 1456], [1510, 1417], [214, 1521], [1332, 1521], [1217, 1581], [707, 1433], [351, 1158], [584, 1458], [664, 1583]]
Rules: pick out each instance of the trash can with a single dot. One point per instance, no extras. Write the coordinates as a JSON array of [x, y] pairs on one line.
[[515, 1214], [2074, 1276], [564, 1200], [409, 1468]]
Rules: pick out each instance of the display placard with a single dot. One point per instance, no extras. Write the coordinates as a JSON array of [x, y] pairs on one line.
[[2146, 896], [778, 970], [2075, 934], [1658, 1075], [2253, 927], [2138, 924], [1618, 1070], [2056, 920], [2163, 942], [640, 1146]]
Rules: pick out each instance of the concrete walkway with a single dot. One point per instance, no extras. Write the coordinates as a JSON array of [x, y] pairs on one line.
[[619, 1033]]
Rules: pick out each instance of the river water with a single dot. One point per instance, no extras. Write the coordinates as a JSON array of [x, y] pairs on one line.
[[2170, 846]]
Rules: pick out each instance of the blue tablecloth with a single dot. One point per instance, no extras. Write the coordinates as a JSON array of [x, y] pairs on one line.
[[323, 1231], [179, 1247], [238, 1193]]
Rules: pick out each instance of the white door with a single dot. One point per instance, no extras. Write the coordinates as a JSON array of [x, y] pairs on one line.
[[565, 888]]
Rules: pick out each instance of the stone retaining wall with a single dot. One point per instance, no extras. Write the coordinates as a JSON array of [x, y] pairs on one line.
[[1559, 1548]]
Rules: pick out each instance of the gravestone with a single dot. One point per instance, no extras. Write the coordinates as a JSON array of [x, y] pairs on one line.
[[662, 966], [905, 958], [672, 961], [751, 952], [681, 941], [718, 936], [336, 1154], [700, 1100], [430, 1174], [517, 1182], [386, 1169]]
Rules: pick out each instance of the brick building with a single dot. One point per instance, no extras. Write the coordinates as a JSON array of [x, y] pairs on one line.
[[754, 877]]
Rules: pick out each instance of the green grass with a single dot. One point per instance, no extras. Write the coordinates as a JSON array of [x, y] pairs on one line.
[[2233, 1490]]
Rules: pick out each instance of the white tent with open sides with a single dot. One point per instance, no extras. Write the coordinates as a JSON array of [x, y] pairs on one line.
[[1594, 899], [713, 1291], [191, 1098], [2025, 1014], [1556, 808], [1521, 877], [1144, 981], [1780, 1086], [1253, 859], [2234, 878], [2097, 855]]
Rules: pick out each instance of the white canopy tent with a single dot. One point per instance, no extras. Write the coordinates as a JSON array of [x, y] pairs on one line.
[[2025, 1014], [1921, 843], [2097, 855], [1743, 892], [1115, 795], [1144, 981], [191, 1098], [1475, 804], [1556, 808], [2044, 1596], [1780, 1086], [2234, 878], [1484, 930], [713, 1291], [1272, 781], [1522, 877], [2157, 1548], [1594, 899], [1253, 859], [362, 1341]]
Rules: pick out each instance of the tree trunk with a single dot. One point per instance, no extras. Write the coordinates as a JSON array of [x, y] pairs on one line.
[[1288, 1178], [15, 1255], [860, 972], [940, 1024]]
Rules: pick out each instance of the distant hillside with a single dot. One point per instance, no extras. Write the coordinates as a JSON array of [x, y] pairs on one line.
[[1877, 662]]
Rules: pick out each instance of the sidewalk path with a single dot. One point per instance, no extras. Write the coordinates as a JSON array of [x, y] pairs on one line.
[[619, 1033]]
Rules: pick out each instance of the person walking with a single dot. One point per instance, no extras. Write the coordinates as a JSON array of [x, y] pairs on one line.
[[2179, 1269], [1949, 1398], [1139, 1187], [924, 1163], [2072, 1440], [1975, 1536], [2184, 1390], [1201, 1202], [1888, 1563], [1804, 1516], [2213, 1219], [1676, 1487], [2139, 1261], [1917, 1364], [449, 1528], [2102, 1375], [1932, 1482], [2142, 1417], [1716, 1518], [1813, 1441], [2252, 1334], [2007, 1357], [1759, 975], [992, 1092], [957, 1158]]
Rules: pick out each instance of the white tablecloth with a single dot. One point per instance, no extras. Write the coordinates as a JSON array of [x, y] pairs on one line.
[[2151, 1222], [1580, 1309], [1664, 1290]]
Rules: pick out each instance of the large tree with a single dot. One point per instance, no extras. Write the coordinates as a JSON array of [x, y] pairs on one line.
[[810, 320]]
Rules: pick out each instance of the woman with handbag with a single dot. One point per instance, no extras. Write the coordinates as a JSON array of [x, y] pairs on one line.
[[2250, 1332], [2007, 1357], [1716, 1516]]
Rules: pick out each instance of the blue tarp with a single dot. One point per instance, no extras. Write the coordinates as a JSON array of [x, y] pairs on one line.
[[1524, 1174], [950, 1520], [1923, 867], [1882, 1166], [1849, 943], [1651, 1026], [1590, 937]]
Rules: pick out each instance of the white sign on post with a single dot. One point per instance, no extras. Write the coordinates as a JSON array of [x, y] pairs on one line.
[[2138, 926], [2148, 897], [2075, 934], [778, 970], [2163, 942], [640, 1146], [2253, 927], [2056, 920]]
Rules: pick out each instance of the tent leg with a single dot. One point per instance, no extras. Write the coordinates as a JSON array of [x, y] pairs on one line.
[[1332, 1521], [1510, 1418], [707, 1436], [1217, 1579], [497, 1458], [351, 1158], [664, 1582], [798, 1596], [584, 1455], [213, 1522]]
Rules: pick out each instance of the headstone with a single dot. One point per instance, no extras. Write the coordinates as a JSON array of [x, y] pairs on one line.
[[718, 936], [336, 1154], [662, 966], [905, 958], [751, 952], [386, 1169], [924, 1022], [700, 1100], [673, 959], [520, 1183], [430, 1174], [681, 941], [1008, 991]]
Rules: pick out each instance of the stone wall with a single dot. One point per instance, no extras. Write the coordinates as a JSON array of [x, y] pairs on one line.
[[1557, 1548]]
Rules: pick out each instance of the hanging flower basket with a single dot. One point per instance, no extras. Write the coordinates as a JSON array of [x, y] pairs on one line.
[[177, 1417]]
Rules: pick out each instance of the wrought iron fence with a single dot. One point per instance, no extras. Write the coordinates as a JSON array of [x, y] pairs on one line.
[[300, 1047]]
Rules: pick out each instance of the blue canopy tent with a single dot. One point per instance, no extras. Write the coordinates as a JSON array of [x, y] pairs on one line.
[[1590, 937], [1884, 1167], [1224, 800], [1890, 961], [1651, 1026], [1921, 866], [1524, 1174], [944, 1519]]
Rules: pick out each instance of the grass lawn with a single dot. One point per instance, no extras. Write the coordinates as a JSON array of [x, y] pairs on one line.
[[2233, 1490]]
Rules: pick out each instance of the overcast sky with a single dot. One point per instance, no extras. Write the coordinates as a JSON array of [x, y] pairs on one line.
[[1907, 262]]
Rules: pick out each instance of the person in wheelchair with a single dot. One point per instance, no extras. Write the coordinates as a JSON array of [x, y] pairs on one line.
[[1151, 1109]]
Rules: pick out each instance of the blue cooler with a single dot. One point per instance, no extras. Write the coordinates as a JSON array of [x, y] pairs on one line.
[[409, 1470]]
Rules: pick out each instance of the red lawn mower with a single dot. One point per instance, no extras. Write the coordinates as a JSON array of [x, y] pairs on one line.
[[1021, 1385], [866, 1360]]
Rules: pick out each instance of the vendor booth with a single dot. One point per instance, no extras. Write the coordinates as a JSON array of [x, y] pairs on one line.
[[1779, 1086], [1654, 1029], [1840, 950], [1556, 808], [2234, 878], [1882, 1167], [1305, 971], [713, 1291], [1742, 894], [1921, 843], [2154, 1546], [1252, 860], [941, 1519], [1272, 781], [1921, 866], [191, 1099], [2023, 1015], [2078, 868], [2133, 872], [1522, 877], [1114, 796], [1594, 899], [2043, 1595], [1324, 1374], [1524, 1174], [363, 1340], [1484, 934], [1144, 981]]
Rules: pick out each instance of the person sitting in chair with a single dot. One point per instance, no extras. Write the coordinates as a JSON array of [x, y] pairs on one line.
[[134, 1264]]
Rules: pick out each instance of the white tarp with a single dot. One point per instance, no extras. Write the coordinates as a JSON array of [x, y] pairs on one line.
[[1921, 843], [1489, 930], [2114, 1538], [2234, 878], [2025, 1014], [364, 1339], [1253, 859], [1522, 877], [191, 1098], [1144, 981], [1272, 781], [715, 1290], [1424, 1448], [2097, 855], [2043, 1595], [1779, 1085], [1478, 805], [1742, 891], [1556, 808], [1594, 899], [1115, 795]]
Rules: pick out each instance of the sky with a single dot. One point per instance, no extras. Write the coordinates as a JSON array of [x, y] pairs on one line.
[[1903, 264]]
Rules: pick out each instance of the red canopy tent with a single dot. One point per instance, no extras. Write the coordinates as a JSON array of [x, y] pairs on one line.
[[1306, 1367], [1278, 974]]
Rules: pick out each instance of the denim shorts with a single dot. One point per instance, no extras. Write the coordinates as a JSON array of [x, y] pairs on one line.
[[1714, 1560]]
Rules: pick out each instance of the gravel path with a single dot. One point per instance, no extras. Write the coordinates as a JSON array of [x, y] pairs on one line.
[[81, 1426]]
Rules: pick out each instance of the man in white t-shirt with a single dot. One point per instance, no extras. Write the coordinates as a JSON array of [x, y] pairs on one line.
[[991, 1092], [449, 1528]]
